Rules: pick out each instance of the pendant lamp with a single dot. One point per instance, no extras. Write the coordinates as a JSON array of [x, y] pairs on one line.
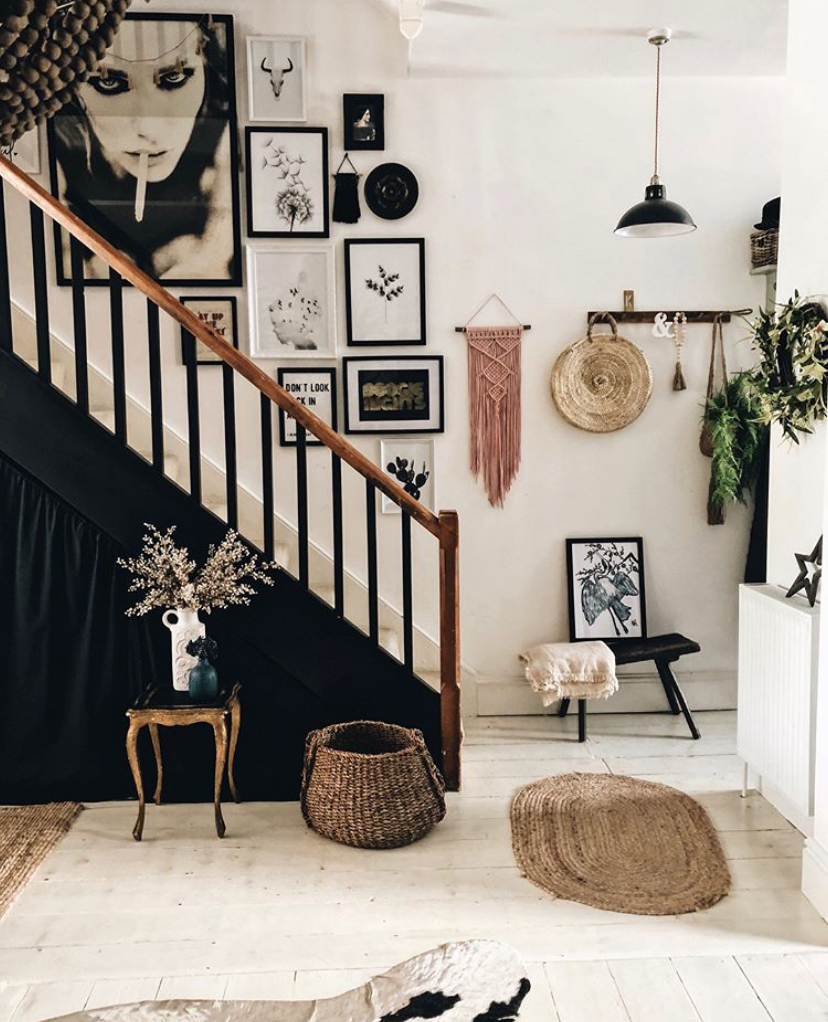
[[656, 216]]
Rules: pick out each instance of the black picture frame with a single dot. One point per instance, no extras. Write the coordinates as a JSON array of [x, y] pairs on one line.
[[281, 375], [395, 423], [117, 236], [615, 628], [234, 320], [354, 104], [323, 181], [355, 244]]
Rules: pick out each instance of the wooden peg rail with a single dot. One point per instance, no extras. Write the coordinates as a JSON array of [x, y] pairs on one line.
[[649, 317], [462, 329]]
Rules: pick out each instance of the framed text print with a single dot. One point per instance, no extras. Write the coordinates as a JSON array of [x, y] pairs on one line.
[[394, 395], [316, 390]]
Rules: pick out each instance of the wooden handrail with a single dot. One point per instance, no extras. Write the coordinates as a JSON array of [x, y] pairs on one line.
[[226, 352]]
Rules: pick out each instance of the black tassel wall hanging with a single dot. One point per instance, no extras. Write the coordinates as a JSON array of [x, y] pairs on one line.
[[346, 193]]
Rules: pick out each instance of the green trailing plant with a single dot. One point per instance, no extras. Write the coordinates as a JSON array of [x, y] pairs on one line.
[[734, 418], [791, 378]]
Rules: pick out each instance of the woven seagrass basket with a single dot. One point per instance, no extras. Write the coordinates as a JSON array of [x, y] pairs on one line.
[[764, 246], [371, 785]]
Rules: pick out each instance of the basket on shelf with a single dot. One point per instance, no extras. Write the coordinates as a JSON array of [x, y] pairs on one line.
[[370, 785], [764, 246]]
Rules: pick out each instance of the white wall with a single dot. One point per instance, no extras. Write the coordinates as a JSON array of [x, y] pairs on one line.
[[521, 185]]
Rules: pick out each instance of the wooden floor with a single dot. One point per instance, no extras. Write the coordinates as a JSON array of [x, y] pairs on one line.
[[274, 911]]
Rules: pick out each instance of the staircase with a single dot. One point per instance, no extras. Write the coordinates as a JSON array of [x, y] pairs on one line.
[[355, 651]]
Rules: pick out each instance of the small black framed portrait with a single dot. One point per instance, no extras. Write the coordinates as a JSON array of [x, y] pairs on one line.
[[363, 121], [606, 589], [385, 293], [314, 388], [394, 395], [221, 315], [287, 182]]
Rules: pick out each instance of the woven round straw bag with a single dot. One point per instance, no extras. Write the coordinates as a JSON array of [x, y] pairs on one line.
[[371, 785], [602, 382]]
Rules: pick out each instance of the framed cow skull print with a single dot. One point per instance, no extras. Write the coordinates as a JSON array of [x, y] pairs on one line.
[[276, 78], [606, 589]]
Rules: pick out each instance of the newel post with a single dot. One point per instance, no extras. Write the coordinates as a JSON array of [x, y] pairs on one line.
[[452, 725]]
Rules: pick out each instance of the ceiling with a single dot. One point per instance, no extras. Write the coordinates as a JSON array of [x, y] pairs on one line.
[[596, 38]]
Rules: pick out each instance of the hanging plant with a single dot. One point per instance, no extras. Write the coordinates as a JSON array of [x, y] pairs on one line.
[[734, 421], [790, 380]]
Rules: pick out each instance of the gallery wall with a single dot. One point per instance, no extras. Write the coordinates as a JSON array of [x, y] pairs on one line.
[[521, 182]]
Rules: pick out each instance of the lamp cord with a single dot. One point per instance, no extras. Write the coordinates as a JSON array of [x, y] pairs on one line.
[[657, 104]]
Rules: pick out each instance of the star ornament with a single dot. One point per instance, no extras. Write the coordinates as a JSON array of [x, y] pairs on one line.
[[810, 572]]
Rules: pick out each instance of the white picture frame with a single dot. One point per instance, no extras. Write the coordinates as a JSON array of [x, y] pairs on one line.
[[275, 93], [420, 451], [291, 301]]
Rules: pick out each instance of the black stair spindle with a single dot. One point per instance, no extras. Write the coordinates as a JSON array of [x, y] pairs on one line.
[[116, 329], [302, 500], [338, 555], [408, 613], [230, 446], [5, 290], [156, 399], [193, 419], [371, 529], [79, 323], [41, 297], [267, 476]]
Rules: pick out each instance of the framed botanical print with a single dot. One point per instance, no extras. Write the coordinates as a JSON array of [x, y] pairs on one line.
[[393, 395], [363, 121], [411, 464], [221, 315], [385, 291], [146, 152], [292, 301], [314, 388], [606, 588], [277, 78], [287, 182]]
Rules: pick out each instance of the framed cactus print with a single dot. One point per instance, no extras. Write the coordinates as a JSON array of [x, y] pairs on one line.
[[606, 589], [385, 291]]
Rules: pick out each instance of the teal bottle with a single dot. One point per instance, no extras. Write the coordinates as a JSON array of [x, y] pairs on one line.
[[203, 682]]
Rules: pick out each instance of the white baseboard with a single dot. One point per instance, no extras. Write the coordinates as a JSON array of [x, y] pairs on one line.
[[782, 804], [637, 693], [815, 876]]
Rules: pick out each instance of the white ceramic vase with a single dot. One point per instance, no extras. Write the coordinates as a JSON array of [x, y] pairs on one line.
[[184, 626]]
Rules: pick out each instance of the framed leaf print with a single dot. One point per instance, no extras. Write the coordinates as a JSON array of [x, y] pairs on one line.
[[385, 291], [393, 395], [287, 182]]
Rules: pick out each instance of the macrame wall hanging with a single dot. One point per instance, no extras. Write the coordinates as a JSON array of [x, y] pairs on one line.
[[346, 193], [494, 402]]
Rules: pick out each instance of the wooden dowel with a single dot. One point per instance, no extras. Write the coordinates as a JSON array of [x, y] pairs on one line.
[[462, 329]]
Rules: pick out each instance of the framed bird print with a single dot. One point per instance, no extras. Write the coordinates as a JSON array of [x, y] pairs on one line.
[[606, 589]]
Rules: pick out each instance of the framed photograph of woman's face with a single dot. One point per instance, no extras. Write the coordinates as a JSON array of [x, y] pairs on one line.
[[277, 78], [316, 390], [146, 152], [410, 463], [393, 395], [363, 121], [287, 182], [221, 315], [606, 589], [385, 291], [292, 301]]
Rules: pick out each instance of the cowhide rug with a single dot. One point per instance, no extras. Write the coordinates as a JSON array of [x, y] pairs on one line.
[[471, 981]]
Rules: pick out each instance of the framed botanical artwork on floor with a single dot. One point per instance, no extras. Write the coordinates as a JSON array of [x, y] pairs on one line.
[[287, 182], [385, 291], [393, 395], [363, 121], [146, 152], [606, 588], [292, 301], [277, 78], [314, 388], [410, 463], [221, 315]]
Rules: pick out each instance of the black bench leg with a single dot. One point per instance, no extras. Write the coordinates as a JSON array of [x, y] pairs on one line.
[[668, 680], [563, 709], [582, 720]]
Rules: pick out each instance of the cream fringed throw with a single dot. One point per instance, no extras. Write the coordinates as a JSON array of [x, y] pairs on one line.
[[494, 406], [571, 670]]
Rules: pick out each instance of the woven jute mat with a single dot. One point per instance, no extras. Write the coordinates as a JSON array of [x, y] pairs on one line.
[[618, 843], [27, 835]]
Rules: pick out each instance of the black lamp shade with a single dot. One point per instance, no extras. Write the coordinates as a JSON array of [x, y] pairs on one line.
[[655, 217]]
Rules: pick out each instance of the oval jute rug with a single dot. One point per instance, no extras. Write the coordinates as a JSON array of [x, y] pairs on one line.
[[618, 843]]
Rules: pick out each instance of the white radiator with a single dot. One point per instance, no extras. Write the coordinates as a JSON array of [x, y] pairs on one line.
[[778, 660]]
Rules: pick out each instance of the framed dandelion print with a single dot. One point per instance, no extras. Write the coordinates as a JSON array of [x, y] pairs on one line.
[[385, 291], [287, 182], [393, 395], [276, 78], [411, 464], [292, 301], [606, 588], [314, 388], [221, 315]]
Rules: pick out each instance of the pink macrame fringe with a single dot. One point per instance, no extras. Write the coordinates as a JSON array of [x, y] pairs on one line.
[[494, 407]]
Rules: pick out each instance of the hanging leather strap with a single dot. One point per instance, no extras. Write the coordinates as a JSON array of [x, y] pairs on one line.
[[717, 338], [602, 317]]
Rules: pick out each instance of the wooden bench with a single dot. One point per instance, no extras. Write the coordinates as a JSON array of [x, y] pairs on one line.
[[664, 650]]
